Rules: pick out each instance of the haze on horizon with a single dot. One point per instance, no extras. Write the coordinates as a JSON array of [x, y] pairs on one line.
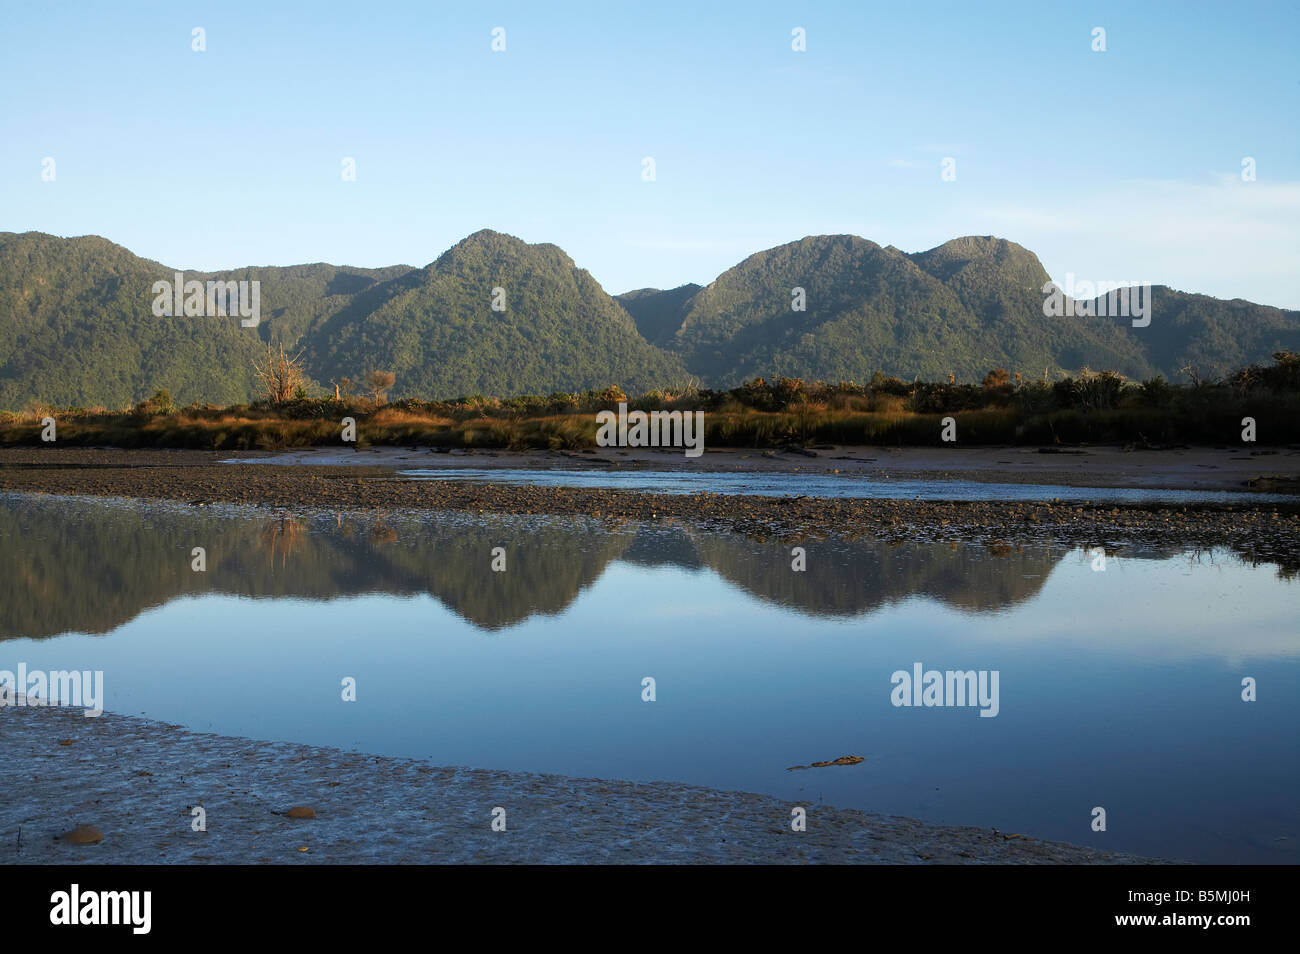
[[1122, 165]]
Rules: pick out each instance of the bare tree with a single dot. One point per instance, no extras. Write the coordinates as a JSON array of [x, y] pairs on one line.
[[281, 374], [379, 382]]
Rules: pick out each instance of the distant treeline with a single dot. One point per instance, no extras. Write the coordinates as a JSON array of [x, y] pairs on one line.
[[1099, 407]]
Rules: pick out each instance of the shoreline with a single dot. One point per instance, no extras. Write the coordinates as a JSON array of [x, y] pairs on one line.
[[1229, 469], [1185, 468], [1264, 529], [377, 809]]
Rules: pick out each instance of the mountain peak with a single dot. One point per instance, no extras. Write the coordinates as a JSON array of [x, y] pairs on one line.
[[497, 315], [996, 259], [490, 235], [502, 245]]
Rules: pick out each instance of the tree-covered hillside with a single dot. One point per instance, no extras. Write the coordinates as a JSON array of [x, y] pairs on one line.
[[437, 330], [659, 313], [962, 308], [76, 326]]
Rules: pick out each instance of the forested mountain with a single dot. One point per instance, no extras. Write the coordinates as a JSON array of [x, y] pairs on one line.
[[436, 328], [962, 308], [76, 325], [659, 314]]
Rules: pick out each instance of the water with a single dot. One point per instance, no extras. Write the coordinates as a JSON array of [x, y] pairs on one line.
[[1119, 689], [831, 485]]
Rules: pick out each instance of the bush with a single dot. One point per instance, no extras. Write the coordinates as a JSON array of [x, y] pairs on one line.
[[160, 403], [1156, 392]]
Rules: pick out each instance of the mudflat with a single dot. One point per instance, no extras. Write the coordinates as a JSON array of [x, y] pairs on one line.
[[372, 809]]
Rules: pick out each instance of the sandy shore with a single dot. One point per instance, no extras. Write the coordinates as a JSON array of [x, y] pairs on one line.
[[137, 781]]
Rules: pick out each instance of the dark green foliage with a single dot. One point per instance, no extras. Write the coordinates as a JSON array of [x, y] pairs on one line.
[[160, 403], [76, 328], [435, 328], [960, 309], [659, 314]]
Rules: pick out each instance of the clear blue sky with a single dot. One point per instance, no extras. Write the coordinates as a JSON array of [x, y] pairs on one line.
[[1122, 165]]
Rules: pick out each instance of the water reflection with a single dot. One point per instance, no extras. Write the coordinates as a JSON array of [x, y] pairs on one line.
[[79, 565], [1118, 688]]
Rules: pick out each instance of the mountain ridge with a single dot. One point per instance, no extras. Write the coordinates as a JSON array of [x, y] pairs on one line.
[[76, 326]]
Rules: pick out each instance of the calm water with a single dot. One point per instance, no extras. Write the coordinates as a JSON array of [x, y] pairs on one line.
[[1118, 689], [829, 485]]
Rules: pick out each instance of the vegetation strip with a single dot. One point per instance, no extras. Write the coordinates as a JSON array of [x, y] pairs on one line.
[[1004, 409]]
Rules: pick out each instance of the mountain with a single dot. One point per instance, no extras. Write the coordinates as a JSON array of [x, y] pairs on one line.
[[866, 308], [658, 313], [436, 329], [1212, 335], [77, 328], [1001, 284], [962, 308]]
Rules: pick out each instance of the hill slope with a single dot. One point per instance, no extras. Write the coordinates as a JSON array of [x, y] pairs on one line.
[[435, 328], [659, 313], [967, 306], [76, 326]]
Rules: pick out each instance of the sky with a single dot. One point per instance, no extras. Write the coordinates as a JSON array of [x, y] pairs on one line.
[[1117, 165]]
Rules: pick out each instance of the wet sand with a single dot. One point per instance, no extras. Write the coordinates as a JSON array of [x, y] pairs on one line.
[[137, 782]]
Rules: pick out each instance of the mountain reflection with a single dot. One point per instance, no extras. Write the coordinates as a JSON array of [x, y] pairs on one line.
[[77, 565]]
